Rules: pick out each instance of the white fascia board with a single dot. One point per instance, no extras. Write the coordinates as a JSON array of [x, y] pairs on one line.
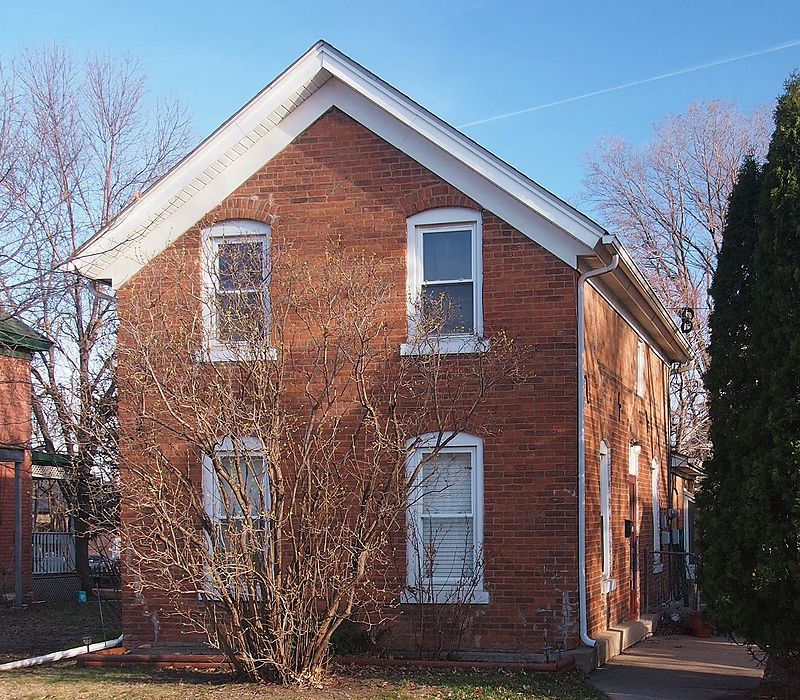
[[416, 129], [655, 307], [131, 257], [451, 169], [462, 148], [139, 214], [623, 310]]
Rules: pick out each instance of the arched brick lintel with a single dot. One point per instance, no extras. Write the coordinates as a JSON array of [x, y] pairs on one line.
[[436, 198], [253, 208]]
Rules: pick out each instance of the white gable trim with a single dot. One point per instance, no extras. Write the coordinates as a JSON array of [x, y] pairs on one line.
[[253, 136], [462, 147]]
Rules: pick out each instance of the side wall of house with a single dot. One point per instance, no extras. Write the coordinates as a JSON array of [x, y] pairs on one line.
[[15, 431], [339, 181], [618, 415]]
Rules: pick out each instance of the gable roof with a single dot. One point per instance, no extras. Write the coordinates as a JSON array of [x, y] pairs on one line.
[[320, 79], [16, 336]]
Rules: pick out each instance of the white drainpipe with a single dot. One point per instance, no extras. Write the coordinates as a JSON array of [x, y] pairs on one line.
[[61, 655], [584, 624]]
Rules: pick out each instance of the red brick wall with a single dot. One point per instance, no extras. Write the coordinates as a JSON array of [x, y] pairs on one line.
[[338, 180], [617, 415], [15, 431]]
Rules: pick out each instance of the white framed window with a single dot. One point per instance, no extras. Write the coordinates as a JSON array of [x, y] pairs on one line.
[[640, 367], [633, 459], [657, 565], [236, 499], [445, 520], [240, 487], [235, 277], [606, 549], [445, 272]]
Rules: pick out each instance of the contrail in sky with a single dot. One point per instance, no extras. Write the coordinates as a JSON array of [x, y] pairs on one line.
[[644, 81]]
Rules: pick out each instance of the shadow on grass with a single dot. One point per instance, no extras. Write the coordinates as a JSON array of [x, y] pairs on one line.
[[69, 672], [68, 681], [46, 627]]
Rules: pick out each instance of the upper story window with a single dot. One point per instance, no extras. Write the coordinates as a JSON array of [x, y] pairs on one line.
[[235, 271], [640, 367], [445, 522], [445, 271]]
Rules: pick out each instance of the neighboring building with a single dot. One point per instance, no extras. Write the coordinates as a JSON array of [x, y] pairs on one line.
[[18, 342], [55, 574], [328, 149]]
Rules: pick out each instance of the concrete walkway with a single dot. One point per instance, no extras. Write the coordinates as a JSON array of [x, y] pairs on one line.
[[679, 668]]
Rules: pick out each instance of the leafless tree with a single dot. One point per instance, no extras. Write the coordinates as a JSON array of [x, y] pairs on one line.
[[78, 139], [668, 199], [299, 523]]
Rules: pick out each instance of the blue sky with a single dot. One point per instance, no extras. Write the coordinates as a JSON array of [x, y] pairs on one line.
[[464, 60]]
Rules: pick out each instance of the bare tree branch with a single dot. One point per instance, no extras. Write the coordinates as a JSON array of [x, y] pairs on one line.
[[668, 199]]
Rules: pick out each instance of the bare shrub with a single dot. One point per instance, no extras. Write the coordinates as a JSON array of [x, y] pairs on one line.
[[303, 436]]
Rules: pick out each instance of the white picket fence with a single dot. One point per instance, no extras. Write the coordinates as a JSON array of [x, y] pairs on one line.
[[53, 553]]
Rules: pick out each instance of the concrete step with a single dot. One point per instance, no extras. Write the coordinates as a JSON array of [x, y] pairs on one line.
[[614, 641]]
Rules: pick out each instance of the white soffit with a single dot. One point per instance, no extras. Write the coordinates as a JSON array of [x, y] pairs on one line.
[[320, 79]]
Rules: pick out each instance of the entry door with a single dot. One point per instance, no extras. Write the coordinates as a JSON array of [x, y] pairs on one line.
[[633, 542]]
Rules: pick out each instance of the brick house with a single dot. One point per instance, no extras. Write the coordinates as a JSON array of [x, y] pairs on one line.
[[330, 149], [18, 342]]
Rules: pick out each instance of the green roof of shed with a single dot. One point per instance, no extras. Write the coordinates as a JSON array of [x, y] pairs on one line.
[[18, 336]]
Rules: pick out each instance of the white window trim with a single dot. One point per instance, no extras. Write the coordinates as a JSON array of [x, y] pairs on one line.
[[444, 218], [658, 566], [444, 594], [633, 460], [228, 447], [640, 367], [229, 231], [210, 485], [607, 583]]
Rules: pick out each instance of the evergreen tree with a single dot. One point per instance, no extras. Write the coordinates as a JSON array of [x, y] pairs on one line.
[[750, 509], [774, 616], [725, 537]]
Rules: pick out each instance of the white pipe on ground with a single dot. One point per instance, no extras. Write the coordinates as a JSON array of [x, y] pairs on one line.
[[61, 655]]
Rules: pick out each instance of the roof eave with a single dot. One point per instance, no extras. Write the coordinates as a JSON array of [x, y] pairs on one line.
[[631, 282]]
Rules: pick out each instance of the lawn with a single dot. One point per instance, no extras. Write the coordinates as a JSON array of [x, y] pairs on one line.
[[67, 682], [41, 628]]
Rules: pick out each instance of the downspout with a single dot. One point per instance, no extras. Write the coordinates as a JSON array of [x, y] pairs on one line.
[[583, 613], [61, 655], [18, 532]]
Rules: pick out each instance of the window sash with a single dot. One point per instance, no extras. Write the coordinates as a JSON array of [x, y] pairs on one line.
[[471, 322], [427, 563], [217, 291], [215, 487]]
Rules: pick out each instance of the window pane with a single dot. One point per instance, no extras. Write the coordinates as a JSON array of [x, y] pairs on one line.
[[240, 265], [448, 549], [447, 255], [447, 484], [453, 303], [240, 315], [248, 473]]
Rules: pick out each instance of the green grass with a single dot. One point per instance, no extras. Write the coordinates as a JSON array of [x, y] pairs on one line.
[[462, 685], [41, 629], [66, 682]]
